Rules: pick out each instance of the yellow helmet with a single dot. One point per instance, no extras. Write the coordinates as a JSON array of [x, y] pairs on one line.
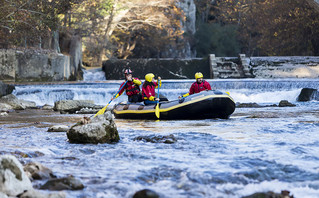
[[198, 75], [149, 77]]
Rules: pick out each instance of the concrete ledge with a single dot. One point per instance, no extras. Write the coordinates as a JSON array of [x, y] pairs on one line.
[[17, 66]]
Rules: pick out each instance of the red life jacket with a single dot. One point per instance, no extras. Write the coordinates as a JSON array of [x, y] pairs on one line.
[[148, 90], [130, 88], [196, 88]]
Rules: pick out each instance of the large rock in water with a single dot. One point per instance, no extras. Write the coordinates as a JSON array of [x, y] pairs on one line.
[[16, 103], [13, 180], [71, 106], [306, 94], [101, 129]]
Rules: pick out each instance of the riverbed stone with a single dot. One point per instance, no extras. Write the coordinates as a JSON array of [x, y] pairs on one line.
[[168, 139], [47, 107], [5, 107], [13, 180], [37, 171], [247, 105], [93, 110], [71, 106], [146, 193], [38, 194], [28, 104], [13, 101], [101, 129], [58, 128], [65, 183], [285, 103], [270, 194], [3, 114]]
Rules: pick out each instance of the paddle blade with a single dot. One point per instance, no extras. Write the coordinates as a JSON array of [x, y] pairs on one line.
[[157, 112], [101, 111]]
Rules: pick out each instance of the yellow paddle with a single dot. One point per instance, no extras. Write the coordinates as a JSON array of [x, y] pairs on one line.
[[100, 112], [157, 112]]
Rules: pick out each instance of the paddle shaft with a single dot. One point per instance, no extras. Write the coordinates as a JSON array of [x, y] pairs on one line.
[[157, 105], [158, 91], [104, 108]]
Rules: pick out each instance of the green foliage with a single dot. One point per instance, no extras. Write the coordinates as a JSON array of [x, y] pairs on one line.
[[217, 39]]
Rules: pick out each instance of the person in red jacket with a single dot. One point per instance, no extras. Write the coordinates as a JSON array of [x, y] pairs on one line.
[[199, 85], [132, 87], [148, 89]]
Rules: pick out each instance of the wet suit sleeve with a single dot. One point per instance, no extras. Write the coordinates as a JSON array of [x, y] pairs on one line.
[[158, 83], [191, 91], [120, 90], [185, 95], [137, 81]]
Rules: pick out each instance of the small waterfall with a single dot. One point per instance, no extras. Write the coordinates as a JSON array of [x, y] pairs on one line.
[[100, 93], [242, 90], [94, 75]]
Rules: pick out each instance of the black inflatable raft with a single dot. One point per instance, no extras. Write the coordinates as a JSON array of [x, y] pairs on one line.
[[203, 105]]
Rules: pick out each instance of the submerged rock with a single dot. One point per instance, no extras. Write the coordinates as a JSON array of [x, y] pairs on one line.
[[146, 193], [37, 171], [283, 194], [101, 129], [13, 180], [285, 103], [170, 139], [247, 105], [66, 183]]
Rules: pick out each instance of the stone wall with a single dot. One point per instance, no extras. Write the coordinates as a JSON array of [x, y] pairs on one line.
[[166, 68], [284, 66], [18, 66], [229, 67], [8, 62], [217, 67]]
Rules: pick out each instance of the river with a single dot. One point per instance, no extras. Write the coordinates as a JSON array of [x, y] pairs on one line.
[[256, 150]]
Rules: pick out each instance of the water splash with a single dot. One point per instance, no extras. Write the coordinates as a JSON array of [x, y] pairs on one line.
[[94, 75]]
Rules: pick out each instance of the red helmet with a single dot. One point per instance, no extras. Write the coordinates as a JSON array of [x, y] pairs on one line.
[[128, 71]]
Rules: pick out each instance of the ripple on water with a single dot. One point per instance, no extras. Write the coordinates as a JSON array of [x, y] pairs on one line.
[[263, 170]]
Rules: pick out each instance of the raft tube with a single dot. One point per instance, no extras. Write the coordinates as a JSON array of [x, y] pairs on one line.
[[203, 105]]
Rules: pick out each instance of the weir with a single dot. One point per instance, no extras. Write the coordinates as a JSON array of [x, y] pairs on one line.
[[242, 90]]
